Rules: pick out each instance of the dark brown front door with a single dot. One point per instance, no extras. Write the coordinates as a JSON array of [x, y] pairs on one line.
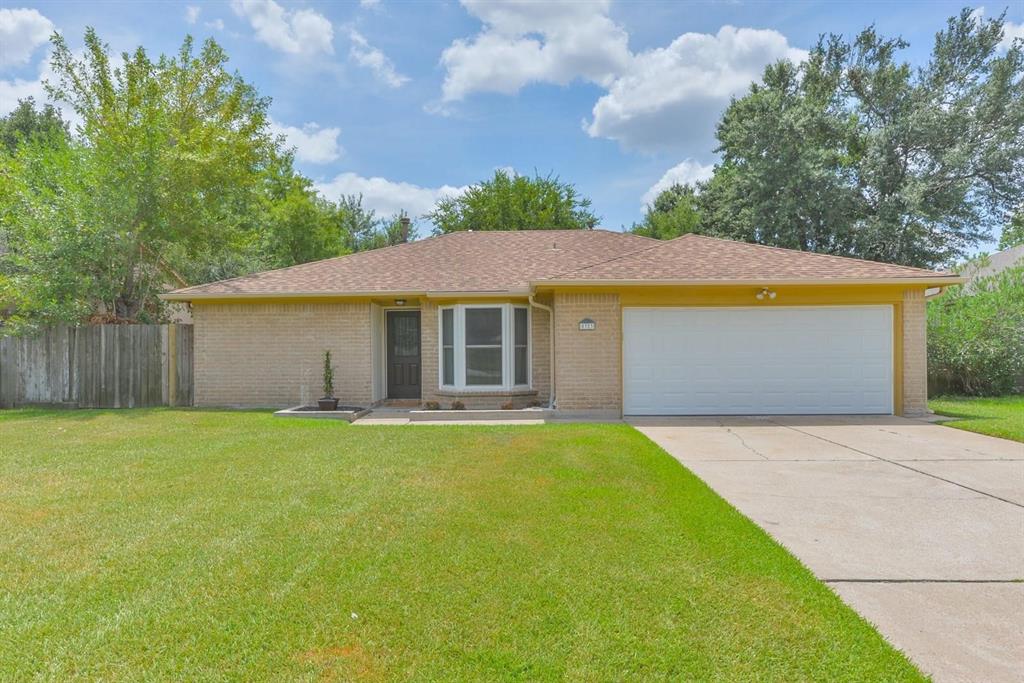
[[403, 354]]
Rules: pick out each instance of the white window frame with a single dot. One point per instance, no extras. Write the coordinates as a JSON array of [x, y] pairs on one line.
[[507, 348]]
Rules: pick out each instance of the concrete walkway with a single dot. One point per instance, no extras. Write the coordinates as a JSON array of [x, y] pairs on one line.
[[917, 526]]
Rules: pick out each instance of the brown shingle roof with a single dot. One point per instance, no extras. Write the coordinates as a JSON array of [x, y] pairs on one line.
[[498, 261], [512, 261], [701, 258]]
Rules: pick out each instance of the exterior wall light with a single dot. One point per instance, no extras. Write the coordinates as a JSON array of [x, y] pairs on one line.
[[765, 294], [399, 302]]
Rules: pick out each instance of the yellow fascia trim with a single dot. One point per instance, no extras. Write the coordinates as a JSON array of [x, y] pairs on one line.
[[937, 281]]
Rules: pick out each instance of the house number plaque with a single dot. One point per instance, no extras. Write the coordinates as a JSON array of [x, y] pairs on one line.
[[587, 324]]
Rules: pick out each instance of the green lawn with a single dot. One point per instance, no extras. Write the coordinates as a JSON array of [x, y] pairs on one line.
[[174, 544], [1002, 416]]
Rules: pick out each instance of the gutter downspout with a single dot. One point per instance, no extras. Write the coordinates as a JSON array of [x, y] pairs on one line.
[[551, 345]]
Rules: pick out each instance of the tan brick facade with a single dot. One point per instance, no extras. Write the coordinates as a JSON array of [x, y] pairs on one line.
[[915, 354], [428, 349], [272, 354], [588, 373]]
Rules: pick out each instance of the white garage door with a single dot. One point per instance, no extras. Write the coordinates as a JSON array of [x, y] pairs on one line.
[[757, 361]]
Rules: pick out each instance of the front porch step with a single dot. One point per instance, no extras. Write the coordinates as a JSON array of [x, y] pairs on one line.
[[464, 415], [400, 403]]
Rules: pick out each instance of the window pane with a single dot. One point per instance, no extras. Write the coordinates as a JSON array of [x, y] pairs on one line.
[[483, 365], [483, 326], [520, 327], [448, 327], [521, 367], [449, 365], [405, 335]]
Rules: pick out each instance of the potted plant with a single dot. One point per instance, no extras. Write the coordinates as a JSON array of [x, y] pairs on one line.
[[328, 402]]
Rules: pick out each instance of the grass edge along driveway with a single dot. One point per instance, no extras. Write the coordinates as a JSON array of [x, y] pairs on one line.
[[1001, 416], [186, 544]]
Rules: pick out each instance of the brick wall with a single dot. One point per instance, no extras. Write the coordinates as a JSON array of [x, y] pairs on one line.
[[587, 363], [272, 354], [540, 351], [428, 350], [915, 354]]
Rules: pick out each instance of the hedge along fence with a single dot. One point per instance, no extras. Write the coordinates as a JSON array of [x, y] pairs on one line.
[[98, 366]]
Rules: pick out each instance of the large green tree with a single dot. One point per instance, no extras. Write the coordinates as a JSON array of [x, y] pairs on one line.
[[673, 212], [509, 201], [172, 176], [854, 152], [1013, 232], [26, 122], [363, 229]]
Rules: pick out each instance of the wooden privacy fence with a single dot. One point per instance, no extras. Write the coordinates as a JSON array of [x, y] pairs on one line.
[[98, 366]]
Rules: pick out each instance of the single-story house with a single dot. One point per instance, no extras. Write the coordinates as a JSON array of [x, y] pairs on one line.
[[587, 321]]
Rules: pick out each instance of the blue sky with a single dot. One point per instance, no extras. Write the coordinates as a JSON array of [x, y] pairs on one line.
[[407, 101]]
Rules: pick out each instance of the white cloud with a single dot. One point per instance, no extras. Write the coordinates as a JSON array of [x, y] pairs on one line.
[[672, 96], [192, 13], [18, 89], [313, 144], [21, 32], [216, 24], [544, 42], [387, 197], [1011, 31], [686, 173], [661, 98], [369, 57], [302, 31], [369, 3]]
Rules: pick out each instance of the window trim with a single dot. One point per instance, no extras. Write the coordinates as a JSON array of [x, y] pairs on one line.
[[507, 348]]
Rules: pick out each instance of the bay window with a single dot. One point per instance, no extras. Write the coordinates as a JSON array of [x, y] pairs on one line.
[[484, 347]]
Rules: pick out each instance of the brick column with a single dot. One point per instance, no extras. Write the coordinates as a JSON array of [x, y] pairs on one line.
[[428, 351], [588, 369], [915, 354]]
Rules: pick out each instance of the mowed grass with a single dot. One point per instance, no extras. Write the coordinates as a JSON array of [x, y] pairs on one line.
[[1001, 416], [203, 545]]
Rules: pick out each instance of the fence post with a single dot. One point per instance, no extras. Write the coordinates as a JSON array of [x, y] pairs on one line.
[[172, 364]]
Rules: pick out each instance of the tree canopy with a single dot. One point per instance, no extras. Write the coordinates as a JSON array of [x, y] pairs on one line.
[[509, 201], [853, 152], [1013, 232], [26, 122], [172, 177], [674, 212]]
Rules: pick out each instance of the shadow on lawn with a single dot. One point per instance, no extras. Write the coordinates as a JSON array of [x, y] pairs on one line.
[[86, 414]]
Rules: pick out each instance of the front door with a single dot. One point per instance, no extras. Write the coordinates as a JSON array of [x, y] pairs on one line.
[[403, 354]]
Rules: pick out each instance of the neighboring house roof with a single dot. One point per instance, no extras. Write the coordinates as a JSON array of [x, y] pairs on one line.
[[995, 263], [516, 261]]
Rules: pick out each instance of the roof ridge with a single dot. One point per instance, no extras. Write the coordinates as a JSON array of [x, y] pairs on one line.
[[809, 253], [658, 243]]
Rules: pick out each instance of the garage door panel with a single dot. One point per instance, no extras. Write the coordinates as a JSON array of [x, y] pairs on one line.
[[779, 360]]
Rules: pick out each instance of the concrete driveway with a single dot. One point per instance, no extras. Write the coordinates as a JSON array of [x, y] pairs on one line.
[[917, 526]]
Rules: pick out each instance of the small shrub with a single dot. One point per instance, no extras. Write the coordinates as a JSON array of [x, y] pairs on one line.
[[976, 336], [537, 403], [507, 405], [328, 376], [458, 405], [431, 405]]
